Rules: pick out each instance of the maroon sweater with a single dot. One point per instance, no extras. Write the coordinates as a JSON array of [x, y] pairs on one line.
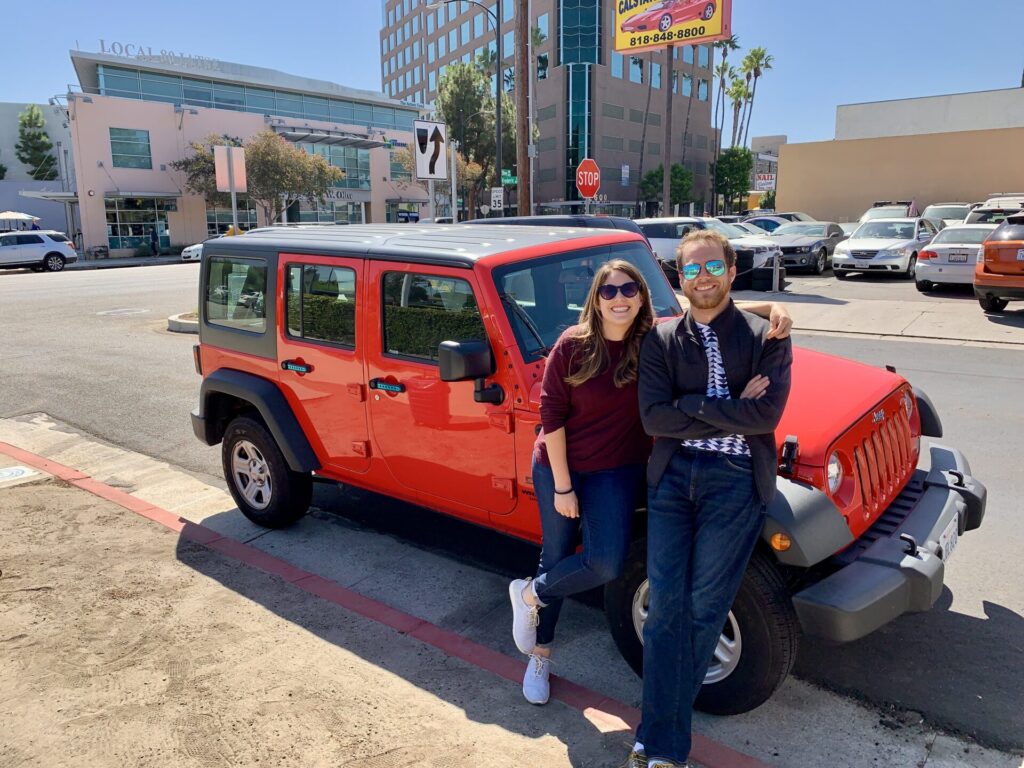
[[602, 422]]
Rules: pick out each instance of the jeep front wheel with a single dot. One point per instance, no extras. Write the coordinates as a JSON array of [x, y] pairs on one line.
[[757, 647], [259, 479]]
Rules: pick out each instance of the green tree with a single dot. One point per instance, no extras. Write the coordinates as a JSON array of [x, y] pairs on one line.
[[680, 183], [760, 61], [200, 176], [34, 145], [767, 200], [732, 174], [3, 171], [467, 174], [279, 174]]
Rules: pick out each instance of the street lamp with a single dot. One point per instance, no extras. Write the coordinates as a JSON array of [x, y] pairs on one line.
[[499, 71]]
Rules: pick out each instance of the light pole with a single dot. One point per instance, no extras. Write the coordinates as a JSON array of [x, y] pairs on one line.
[[498, 71]]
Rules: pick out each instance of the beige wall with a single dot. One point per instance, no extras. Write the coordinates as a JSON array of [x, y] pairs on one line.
[[838, 180]]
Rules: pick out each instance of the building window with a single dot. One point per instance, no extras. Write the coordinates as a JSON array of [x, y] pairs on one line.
[[688, 54], [636, 69], [440, 17], [703, 56], [421, 311], [129, 148], [219, 220], [687, 88], [508, 9], [452, 10], [508, 44], [578, 123], [465, 33], [453, 39], [617, 65], [391, 18], [431, 53], [415, 24], [131, 221], [478, 25], [355, 163], [399, 37], [417, 76], [415, 50], [542, 25], [320, 301], [432, 80], [579, 31], [430, 23], [441, 46], [702, 89], [655, 75]]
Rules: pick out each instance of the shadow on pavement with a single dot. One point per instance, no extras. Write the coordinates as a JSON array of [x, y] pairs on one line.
[[789, 298], [1009, 318], [961, 672]]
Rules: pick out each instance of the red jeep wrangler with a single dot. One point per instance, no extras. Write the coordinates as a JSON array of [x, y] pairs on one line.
[[407, 360]]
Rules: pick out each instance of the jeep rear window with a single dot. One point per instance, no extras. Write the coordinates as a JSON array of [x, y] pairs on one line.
[[421, 311], [321, 303], [236, 293], [542, 297]]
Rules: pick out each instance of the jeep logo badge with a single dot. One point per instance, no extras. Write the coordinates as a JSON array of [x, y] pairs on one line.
[[878, 416]]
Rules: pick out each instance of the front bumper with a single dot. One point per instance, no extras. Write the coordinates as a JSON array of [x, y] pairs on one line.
[[882, 576], [844, 262]]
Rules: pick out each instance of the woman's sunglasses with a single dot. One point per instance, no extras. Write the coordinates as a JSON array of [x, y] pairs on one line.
[[609, 292], [715, 268]]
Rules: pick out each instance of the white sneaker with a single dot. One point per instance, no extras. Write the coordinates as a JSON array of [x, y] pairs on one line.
[[525, 617], [536, 687]]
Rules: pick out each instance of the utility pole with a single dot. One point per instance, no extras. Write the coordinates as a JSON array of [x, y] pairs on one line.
[[524, 76], [666, 146]]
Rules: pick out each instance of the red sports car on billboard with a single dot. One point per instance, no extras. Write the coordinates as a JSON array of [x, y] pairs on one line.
[[666, 14]]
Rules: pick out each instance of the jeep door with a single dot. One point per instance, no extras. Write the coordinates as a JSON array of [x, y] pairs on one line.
[[453, 452], [320, 355]]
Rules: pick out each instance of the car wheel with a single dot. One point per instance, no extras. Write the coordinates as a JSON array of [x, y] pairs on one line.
[[924, 285], [839, 273], [709, 11], [265, 489], [821, 262], [53, 262], [992, 304], [758, 644], [665, 23], [911, 272]]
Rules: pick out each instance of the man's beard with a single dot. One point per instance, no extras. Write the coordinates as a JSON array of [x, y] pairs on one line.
[[706, 299]]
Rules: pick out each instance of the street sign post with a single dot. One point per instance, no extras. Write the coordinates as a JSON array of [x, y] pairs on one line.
[[507, 179], [497, 198], [229, 167], [588, 180], [430, 150]]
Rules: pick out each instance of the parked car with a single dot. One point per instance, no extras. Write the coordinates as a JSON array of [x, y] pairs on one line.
[[890, 209], [729, 219], [848, 227], [38, 249], [437, 220], [808, 245], [999, 273], [414, 371], [1005, 199], [192, 252], [666, 14], [768, 223], [948, 213], [985, 214], [794, 216], [751, 229], [884, 245], [951, 256]]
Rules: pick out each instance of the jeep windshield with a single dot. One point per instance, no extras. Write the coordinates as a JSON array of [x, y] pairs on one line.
[[542, 297]]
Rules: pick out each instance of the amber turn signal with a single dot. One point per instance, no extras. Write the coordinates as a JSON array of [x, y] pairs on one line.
[[781, 542]]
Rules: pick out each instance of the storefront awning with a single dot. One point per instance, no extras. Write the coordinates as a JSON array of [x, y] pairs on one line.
[[333, 138], [403, 192]]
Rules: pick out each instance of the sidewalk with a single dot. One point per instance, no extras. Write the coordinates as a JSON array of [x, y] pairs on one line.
[[139, 261]]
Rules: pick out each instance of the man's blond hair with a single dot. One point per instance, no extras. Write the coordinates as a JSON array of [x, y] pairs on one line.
[[706, 236]]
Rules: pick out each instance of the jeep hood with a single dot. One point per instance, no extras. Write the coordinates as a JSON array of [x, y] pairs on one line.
[[829, 395]]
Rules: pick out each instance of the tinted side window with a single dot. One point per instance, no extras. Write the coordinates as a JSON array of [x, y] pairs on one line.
[[321, 303], [29, 239], [236, 293], [421, 311], [8, 240], [58, 238]]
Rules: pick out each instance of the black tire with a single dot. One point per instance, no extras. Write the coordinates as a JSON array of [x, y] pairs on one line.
[[821, 262], [53, 262], [665, 23], [709, 11], [839, 273], [911, 272], [763, 612], [289, 494], [924, 285], [992, 304]]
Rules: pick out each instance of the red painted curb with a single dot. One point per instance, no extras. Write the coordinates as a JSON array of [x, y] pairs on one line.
[[705, 751]]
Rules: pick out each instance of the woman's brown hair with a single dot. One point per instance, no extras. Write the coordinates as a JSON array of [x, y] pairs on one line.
[[590, 356]]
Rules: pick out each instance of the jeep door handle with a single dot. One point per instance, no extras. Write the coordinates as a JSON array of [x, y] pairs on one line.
[[387, 386], [296, 366]]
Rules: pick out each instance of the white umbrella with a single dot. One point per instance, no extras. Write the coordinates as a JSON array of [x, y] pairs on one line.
[[17, 216]]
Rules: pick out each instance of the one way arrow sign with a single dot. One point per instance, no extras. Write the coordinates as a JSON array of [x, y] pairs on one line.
[[431, 150]]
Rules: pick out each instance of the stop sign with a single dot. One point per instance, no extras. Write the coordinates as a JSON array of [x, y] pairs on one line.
[[588, 178]]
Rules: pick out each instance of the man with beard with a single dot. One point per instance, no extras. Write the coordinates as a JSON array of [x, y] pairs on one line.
[[712, 388]]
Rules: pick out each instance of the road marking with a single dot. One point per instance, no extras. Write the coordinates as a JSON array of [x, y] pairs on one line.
[[605, 713], [123, 312]]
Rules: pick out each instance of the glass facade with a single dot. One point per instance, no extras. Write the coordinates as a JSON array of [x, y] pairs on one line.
[[330, 212], [579, 48], [354, 162], [131, 220], [218, 220], [579, 31], [129, 148], [175, 89]]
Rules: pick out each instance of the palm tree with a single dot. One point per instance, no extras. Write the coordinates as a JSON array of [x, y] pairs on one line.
[[727, 45], [724, 72], [737, 94], [761, 61], [747, 70], [487, 60], [643, 132]]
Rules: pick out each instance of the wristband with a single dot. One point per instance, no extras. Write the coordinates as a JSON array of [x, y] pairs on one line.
[[565, 493]]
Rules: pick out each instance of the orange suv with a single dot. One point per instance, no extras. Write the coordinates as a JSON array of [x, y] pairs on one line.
[[999, 274]]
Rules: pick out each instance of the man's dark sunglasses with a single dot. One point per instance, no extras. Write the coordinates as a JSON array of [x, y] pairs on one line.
[[716, 268], [609, 292]]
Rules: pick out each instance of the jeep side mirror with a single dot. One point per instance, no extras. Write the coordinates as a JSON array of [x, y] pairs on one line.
[[470, 361]]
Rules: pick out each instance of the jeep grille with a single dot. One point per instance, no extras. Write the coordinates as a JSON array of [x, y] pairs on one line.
[[884, 460]]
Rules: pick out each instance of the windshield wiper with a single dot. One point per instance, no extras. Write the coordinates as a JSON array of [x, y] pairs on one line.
[[519, 312]]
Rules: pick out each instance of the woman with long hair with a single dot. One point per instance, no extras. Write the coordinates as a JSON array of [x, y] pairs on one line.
[[589, 458]]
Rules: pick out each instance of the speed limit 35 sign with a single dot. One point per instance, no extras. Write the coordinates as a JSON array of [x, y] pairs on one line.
[[588, 178]]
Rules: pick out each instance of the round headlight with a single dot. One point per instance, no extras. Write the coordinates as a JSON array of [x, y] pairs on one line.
[[908, 404], [835, 472]]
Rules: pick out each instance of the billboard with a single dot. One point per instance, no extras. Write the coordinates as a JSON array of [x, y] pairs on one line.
[[764, 182], [645, 25]]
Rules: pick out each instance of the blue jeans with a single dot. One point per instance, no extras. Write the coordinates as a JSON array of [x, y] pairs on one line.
[[606, 501], [704, 519]]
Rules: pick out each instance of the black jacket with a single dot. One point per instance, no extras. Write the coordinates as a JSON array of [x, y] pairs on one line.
[[674, 381]]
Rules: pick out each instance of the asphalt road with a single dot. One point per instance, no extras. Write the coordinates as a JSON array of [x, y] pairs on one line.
[[91, 349]]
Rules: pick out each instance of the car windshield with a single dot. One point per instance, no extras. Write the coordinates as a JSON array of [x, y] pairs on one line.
[[888, 230], [964, 235], [811, 230], [542, 297], [752, 229], [946, 212], [769, 225], [884, 212], [726, 229], [990, 216], [664, 230]]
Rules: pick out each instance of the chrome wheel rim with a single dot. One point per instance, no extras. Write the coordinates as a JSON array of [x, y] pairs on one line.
[[55, 263], [251, 475], [822, 257], [665, 24], [912, 267], [730, 643], [709, 11]]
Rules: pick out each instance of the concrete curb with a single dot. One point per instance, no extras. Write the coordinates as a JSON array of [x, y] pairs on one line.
[[178, 324], [140, 261]]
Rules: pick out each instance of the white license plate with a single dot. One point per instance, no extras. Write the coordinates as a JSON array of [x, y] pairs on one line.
[[1020, 254], [958, 258], [950, 538]]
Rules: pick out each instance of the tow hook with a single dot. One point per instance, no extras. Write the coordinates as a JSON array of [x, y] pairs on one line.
[[911, 543], [790, 449]]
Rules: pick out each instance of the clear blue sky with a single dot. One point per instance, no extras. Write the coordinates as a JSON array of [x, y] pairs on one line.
[[826, 52]]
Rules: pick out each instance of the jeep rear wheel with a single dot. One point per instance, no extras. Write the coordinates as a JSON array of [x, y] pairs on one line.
[[259, 479], [758, 644]]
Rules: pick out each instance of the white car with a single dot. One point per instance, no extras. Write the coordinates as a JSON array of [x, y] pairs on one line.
[[884, 245], [951, 256], [948, 213], [38, 249], [192, 252]]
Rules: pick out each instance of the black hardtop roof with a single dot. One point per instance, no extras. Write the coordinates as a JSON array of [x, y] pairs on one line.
[[458, 245]]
